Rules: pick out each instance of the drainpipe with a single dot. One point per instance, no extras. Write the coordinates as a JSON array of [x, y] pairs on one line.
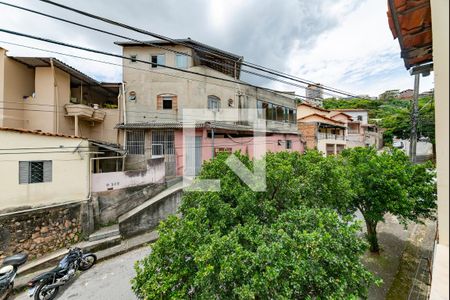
[[56, 95], [124, 104]]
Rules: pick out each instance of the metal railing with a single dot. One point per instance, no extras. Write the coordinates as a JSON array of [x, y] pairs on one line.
[[330, 136]]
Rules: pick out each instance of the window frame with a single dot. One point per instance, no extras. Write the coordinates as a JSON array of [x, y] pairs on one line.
[[136, 146], [157, 63], [167, 99], [184, 56], [214, 99], [26, 171]]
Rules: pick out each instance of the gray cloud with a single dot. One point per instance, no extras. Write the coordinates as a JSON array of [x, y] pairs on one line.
[[263, 31]]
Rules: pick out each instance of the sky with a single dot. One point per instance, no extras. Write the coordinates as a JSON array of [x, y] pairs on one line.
[[345, 44]]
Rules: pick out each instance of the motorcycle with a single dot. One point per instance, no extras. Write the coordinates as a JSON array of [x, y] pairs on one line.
[[46, 286], [8, 272]]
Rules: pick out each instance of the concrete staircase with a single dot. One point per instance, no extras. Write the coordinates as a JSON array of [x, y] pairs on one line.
[[105, 232]]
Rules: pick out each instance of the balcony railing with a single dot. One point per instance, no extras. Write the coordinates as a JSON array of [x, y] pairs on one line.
[[330, 136]]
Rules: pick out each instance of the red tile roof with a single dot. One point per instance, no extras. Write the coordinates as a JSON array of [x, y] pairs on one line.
[[38, 132], [323, 117], [410, 22]]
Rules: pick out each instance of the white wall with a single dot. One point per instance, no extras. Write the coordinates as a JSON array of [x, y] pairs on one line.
[[118, 180], [69, 169]]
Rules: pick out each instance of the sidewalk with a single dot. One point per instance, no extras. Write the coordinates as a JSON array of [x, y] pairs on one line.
[[43, 264]]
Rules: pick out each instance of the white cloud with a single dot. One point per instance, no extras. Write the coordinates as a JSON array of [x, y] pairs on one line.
[[343, 43]]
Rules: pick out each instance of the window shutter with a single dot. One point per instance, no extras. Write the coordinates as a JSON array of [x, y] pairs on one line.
[[24, 170], [48, 171], [159, 100], [175, 102]]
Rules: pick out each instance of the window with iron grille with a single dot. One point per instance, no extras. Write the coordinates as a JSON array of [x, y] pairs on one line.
[[163, 142], [136, 142], [35, 171]]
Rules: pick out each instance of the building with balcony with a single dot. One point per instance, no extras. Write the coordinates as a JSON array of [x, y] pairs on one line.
[[331, 131], [162, 101], [43, 93], [322, 129]]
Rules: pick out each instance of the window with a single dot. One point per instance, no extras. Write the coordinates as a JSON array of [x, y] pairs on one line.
[[360, 118], [270, 112], [136, 142], [288, 144], [35, 171], [213, 103], [133, 58], [163, 142], [260, 108], [286, 115], [181, 61], [167, 102], [292, 116], [280, 113], [158, 60]]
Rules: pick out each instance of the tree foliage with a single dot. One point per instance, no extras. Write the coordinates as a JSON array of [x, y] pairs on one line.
[[277, 244], [388, 182]]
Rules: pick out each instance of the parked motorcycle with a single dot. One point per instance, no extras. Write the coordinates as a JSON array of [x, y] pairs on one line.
[[46, 286], [8, 272]]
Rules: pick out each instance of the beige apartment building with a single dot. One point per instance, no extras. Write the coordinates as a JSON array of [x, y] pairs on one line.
[[158, 100], [42, 93]]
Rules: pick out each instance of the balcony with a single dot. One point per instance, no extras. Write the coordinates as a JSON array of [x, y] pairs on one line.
[[79, 110], [330, 136]]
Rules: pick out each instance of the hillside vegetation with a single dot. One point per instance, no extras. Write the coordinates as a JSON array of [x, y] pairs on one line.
[[394, 115]]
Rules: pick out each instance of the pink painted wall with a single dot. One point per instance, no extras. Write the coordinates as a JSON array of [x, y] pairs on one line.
[[245, 145]]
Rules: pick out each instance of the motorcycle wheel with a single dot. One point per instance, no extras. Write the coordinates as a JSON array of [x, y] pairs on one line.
[[47, 295], [87, 262]]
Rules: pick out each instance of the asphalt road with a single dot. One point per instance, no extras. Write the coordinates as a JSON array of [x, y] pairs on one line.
[[108, 280]]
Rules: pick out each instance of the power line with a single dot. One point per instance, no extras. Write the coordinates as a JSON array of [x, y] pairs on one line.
[[165, 38], [138, 60], [136, 68], [251, 65]]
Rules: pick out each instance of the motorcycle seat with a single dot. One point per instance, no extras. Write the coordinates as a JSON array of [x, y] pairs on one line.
[[6, 270], [15, 260]]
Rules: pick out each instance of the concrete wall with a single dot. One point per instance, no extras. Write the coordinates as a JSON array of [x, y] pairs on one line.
[[16, 82], [146, 217], [154, 173], [439, 12], [355, 114], [110, 205], [70, 169]]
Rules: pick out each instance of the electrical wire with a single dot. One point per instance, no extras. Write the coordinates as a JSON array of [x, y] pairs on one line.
[[138, 60], [177, 42]]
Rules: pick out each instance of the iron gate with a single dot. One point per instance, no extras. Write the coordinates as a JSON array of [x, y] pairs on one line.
[[163, 145]]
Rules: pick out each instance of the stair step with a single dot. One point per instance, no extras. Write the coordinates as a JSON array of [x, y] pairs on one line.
[[104, 233]]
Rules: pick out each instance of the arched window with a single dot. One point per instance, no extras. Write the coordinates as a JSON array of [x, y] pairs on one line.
[[213, 103]]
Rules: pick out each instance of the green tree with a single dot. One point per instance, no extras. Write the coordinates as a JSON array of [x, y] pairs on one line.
[[388, 182], [240, 244]]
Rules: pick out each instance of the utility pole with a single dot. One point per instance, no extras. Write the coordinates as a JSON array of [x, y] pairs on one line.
[[414, 117]]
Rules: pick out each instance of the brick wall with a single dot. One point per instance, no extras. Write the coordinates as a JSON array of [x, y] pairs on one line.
[[309, 132]]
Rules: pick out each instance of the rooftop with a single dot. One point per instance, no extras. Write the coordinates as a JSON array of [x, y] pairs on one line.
[[38, 132], [410, 22], [77, 77], [215, 58]]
